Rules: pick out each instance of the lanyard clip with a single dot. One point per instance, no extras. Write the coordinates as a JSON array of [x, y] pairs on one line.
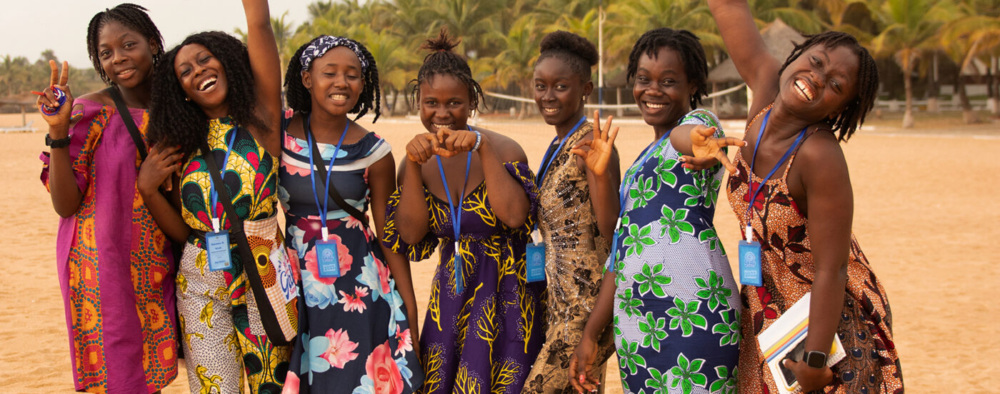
[[326, 233], [215, 225], [749, 233]]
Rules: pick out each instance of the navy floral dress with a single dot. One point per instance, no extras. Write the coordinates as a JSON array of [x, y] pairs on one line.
[[353, 333]]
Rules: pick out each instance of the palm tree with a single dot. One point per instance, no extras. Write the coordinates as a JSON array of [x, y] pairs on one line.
[[516, 62], [911, 27], [965, 39]]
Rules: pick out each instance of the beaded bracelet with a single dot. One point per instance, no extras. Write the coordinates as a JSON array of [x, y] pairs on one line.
[[479, 139]]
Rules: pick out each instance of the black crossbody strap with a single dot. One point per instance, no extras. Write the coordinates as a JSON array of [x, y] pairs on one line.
[[129, 123], [321, 171], [271, 326]]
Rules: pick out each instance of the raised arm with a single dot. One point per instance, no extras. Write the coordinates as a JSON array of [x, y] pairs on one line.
[[63, 190], [413, 214], [746, 46], [509, 201], [266, 67]]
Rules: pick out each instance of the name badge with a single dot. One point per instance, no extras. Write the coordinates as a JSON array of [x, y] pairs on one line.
[[327, 259], [459, 277], [283, 268], [217, 248], [535, 258], [750, 270]]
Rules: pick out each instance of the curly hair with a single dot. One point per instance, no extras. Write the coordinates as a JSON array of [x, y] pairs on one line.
[[688, 48], [131, 16], [442, 61], [578, 52], [179, 122], [854, 112], [300, 100]]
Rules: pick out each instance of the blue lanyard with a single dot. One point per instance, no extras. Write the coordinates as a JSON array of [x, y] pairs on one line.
[[312, 178], [549, 158], [213, 195], [456, 214], [623, 190], [753, 159]]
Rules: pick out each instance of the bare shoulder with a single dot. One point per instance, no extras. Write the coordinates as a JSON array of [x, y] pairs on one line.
[[822, 157], [506, 148], [102, 97]]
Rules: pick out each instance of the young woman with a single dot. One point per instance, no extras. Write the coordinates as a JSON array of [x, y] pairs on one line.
[[470, 189], [354, 326], [675, 298], [575, 219], [214, 90], [115, 265], [794, 171]]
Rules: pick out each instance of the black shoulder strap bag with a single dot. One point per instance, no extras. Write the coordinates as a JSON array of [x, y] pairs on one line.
[[321, 171], [271, 327], [129, 123]]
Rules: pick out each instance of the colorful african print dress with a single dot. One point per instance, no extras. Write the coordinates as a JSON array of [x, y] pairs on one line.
[[865, 329], [574, 254], [677, 313], [353, 332], [115, 264], [219, 342], [485, 338]]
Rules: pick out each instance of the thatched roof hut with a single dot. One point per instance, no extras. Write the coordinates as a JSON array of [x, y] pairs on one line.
[[779, 38]]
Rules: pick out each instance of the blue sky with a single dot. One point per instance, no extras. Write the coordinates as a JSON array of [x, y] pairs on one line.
[[28, 27]]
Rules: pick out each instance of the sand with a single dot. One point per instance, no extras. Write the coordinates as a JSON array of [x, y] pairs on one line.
[[923, 215]]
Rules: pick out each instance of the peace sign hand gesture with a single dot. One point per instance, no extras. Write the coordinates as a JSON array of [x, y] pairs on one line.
[[47, 97], [708, 151], [598, 149]]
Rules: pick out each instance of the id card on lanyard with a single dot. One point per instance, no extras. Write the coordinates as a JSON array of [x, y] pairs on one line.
[[535, 252], [623, 192], [456, 218], [327, 257], [217, 241], [751, 270]]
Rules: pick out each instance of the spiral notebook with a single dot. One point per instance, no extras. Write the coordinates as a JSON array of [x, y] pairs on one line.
[[785, 338]]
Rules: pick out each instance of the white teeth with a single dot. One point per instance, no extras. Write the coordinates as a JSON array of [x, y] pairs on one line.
[[653, 105], [804, 89], [443, 126], [338, 97], [206, 83], [550, 110]]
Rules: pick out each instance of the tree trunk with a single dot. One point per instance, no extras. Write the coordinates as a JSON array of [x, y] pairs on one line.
[[933, 88], [908, 87], [968, 115], [618, 100]]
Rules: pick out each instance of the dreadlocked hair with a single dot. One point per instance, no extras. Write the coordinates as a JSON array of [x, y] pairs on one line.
[[856, 110], [300, 99], [442, 61], [133, 17], [688, 49], [179, 122], [577, 52]]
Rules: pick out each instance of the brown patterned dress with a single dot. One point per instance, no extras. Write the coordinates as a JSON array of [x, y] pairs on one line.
[[575, 254], [872, 363]]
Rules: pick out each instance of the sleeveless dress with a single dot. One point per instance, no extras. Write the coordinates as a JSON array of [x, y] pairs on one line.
[[219, 341], [574, 254], [865, 329], [116, 267], [353, 331], [676, 315], [486, 338]]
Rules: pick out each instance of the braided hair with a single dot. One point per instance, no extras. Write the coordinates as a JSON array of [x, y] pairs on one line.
[[133, 17], [179, 122], [300, 99], [442, 61], [855, 111], [688, 49], [577, 52]]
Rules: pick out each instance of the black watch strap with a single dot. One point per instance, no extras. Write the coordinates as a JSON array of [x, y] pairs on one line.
[[815, 359], [59, 143]]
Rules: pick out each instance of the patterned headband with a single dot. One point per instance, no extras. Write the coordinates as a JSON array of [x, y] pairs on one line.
[[319, 47]]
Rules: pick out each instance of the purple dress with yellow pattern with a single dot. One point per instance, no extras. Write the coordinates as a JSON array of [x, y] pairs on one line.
[[486, 337]]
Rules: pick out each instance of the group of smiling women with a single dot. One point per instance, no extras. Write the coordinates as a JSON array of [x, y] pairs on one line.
[[627, 263]]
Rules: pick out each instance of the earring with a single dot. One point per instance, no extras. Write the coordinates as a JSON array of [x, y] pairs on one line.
[[585, 97], [187, 99]]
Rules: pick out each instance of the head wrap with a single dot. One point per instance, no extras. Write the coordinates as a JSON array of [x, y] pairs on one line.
[[319, 47]]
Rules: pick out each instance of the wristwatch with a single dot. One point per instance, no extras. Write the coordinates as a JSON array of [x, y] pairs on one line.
[[59, 143], [815, 359]]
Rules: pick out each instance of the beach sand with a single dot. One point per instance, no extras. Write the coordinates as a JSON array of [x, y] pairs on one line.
[[923, 216]]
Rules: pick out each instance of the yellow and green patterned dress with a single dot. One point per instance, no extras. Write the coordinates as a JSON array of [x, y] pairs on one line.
[[218, 340]]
